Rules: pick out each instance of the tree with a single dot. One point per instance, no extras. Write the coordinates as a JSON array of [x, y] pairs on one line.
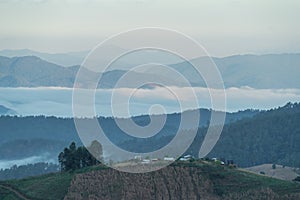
[[274, 166], [297, 179], [73, 158], [61, 161], [96, 150]]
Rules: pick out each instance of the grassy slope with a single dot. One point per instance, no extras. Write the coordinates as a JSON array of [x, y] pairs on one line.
[[7, 195], [280, 172], [225, 181], [53, 186], [50, 186]]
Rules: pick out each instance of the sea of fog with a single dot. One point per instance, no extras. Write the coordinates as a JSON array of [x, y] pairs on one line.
[[58, 101]]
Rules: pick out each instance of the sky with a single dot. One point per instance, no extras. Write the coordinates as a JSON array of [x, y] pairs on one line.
[[223, 27]]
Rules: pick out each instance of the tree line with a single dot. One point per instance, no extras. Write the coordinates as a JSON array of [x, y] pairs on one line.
[[72, 157]]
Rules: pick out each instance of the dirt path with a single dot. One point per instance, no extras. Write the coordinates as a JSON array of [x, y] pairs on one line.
[[17, 193]]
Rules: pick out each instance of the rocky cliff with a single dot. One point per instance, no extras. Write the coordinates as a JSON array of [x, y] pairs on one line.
[[176, 182]]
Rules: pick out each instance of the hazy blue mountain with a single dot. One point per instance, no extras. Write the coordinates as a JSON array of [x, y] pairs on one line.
[[76, 58], [6, 111], [64, 59], [32, 71], [264, 71]]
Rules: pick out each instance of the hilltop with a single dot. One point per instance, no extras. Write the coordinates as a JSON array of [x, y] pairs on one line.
[[181, 180]]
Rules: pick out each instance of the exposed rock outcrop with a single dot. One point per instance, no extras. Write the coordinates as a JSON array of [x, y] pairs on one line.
[[168, 183]]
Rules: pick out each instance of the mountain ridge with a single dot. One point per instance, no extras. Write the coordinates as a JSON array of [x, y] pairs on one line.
[[237, 71], [6, 111]]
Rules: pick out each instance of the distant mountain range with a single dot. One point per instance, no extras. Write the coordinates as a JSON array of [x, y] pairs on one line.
[[76, 58], [63, 59], [6, 111], [266, 71], [256, 71], [31, 71]]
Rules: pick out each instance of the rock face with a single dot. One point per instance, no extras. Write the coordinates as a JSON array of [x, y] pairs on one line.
[[184, 182], [168, 183]]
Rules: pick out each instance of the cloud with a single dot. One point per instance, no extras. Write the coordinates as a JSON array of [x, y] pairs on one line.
[[58, 102], [5, 164]]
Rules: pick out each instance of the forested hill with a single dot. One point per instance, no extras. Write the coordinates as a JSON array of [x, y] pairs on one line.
[[53, 128], [23, 137], [249, 138], [269, 137]]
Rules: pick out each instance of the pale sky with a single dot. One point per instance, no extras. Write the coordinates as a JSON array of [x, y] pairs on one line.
[[223, 27]]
